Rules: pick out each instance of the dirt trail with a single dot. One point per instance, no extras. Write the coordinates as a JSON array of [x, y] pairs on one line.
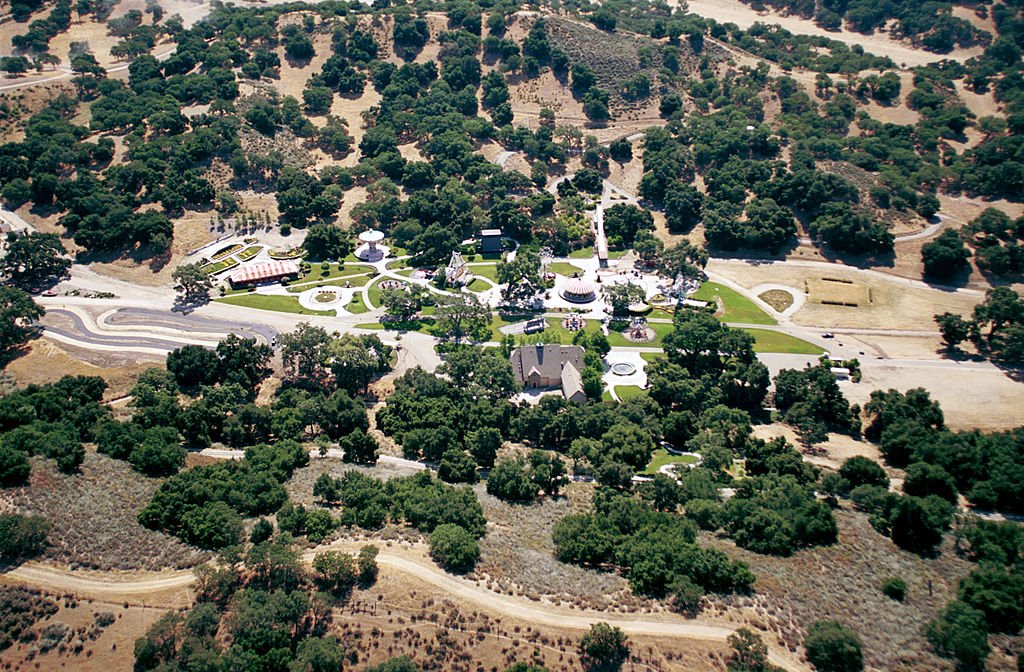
[[52, 578], [880, 44]]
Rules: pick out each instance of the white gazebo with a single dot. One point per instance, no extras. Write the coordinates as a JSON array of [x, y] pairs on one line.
[[370, 248]]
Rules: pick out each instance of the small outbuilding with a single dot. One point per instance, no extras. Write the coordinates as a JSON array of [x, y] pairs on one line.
[[268, 271], [490, 241]]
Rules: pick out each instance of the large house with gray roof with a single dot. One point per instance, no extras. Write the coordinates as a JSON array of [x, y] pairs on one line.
[[558, 366]]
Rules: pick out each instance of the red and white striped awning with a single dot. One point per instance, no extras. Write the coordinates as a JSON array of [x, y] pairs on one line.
[[264, 271]]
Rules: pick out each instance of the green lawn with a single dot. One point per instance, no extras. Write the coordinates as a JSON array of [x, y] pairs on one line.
[[340, 281], [652, 356], [627, 391], [280, 304], [661, 457], [489, 271], [373, 294], [766, 340], [496, 323], [564, 268], [376, 326], [478, 285], [564, 336], [582, 253], [737, 307], [356, 305], [661, 330]]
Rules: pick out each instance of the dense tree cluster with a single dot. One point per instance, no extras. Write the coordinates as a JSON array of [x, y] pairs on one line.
[[52, 421], [813, 403], [265, 611], [204, 506], [997, 242], [910, 431], [519, 480], [33, 260], [321, 362], [18, 314], [655, 549]]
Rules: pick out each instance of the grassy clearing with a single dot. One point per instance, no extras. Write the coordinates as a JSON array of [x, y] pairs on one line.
[[564, 268], [356, 306], [376, 326], [627, 391], [661, 457], [497, 322], [373, 295], [766, 340], [737, 308], [489, 271], [582, 253], [340, 281], [280, 304], [652, 356], [478, 285]]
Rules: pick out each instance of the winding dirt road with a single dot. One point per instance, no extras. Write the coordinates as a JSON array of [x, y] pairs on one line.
[[44, 576]]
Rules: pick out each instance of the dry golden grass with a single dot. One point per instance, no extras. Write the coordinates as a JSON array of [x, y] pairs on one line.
[[835, 291], [778, 299], [111, 649], [894, 305], [46, 362]]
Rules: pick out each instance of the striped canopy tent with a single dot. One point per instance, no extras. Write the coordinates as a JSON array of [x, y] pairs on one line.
[[268, 270]]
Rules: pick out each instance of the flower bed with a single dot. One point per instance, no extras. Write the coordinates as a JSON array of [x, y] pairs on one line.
[[226, 251], [293, 253]]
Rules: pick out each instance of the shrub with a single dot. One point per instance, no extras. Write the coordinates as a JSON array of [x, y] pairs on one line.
[[895, 588], [603, 647], [454, 548], [21, 536], [833, 647]]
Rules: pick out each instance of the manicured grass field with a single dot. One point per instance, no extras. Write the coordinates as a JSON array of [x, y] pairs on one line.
[[376, 326], [280, 304], [582, 253], [661, 457], [478, 285], [489, 271], [373, 295], [737, 307], [564, 335], [496, 323], [766, 340], [356, 306], [627, 391], [652, 356], [340, 281], [564, 268]]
